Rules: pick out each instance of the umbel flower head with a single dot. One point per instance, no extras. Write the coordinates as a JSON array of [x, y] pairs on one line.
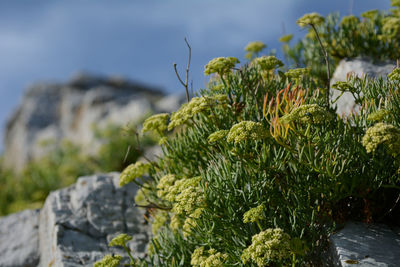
[[109, 261], [164, 190], [370, 14], [382, 133], [286, 38], [195, 106], [349, 21], [133, 171], [395, 3], [271, 245], [268, 62], [246, 130], [156, 123], [220, 65], [120, 240], [395, 75], [218, 135], [190, 195], [391, 28], [310, 19], [344, 86], [378, 115], [297, 73], [209, 258], [311, 113], [254, 214], [255, 47]]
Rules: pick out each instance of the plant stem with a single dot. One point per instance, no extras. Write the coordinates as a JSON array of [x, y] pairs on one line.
[[186, 83], [326, 56]]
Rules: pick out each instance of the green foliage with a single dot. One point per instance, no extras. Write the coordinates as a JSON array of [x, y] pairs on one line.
[[63, 165], [375, 35], [270, 169]]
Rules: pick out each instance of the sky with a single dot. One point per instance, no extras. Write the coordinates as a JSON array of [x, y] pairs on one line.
[[48, 40]]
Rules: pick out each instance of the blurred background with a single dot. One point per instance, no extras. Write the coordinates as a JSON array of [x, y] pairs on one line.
[[139, 40]]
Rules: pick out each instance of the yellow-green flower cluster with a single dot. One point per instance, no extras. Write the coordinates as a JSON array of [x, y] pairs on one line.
[[120, 240], [391, 28], [255, 47], [286, 38], [378, 115], [218, 135], [311, 113], [271, 245], [156, 123], [220, 65], [268, 62], [109, 261], [164, 189], [190, 221], [176, 222], [395, 75], [344, 86], [382, 133], [246, 130], [159, 221], [254, 214], [141, 196], [297, 73], [190, 195], [195, 106], [310, 19], [210, 258], [350, 21], [133, 171], [370, 14], [395, 3]]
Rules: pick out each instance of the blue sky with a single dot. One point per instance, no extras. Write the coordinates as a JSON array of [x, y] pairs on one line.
[[51, 40]]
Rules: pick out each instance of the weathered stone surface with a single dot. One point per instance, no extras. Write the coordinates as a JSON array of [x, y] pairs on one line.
[[359, 67], [365, 245], [71, 110], [19, 243], [76, 223]]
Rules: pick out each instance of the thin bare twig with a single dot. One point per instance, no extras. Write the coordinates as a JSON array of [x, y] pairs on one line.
[[186, 83], [326, 56]]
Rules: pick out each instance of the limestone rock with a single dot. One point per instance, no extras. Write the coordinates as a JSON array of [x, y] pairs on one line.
[[19, 243], [359, 244], [71, 110], [76, 223], [359, 67]]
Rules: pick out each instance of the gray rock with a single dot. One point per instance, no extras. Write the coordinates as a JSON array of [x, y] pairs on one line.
[[365, 245], [170, 103], [76, 223], [19, 243], [69, 111], [360, 67]]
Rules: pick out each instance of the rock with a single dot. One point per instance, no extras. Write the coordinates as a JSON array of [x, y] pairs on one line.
[[76, 223], [359, 244], [19, 243], [359, 67], [71, 110]]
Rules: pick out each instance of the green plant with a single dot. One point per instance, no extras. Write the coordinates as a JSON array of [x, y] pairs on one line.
[[375, 35], [258, 161]]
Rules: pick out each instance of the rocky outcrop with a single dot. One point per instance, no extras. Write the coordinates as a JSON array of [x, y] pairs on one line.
[[359, 244], [19, 239], [75, 226], [359, 67], [71, 110]]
